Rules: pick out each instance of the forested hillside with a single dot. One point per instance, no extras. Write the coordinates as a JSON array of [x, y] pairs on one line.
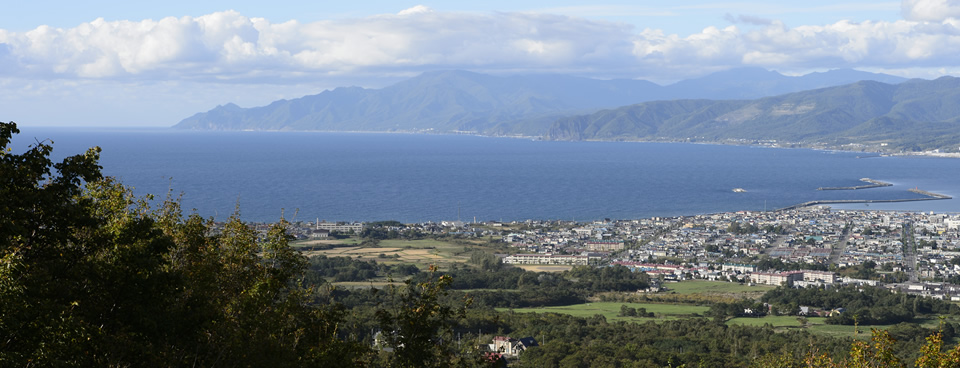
[[913, 115]]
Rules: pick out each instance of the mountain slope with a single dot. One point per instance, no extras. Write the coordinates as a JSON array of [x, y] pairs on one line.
[[914, 113], [440, 101], [753, 83], [447, 101]]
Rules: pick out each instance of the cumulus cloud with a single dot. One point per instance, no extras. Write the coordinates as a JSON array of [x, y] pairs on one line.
[[893, 45], [930, 10], [228, 46]]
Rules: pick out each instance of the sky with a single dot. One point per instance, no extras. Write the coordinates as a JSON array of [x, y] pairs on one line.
[[152, 64]]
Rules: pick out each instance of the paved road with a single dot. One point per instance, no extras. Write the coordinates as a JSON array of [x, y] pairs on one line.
[[909, 252], [839, 246]]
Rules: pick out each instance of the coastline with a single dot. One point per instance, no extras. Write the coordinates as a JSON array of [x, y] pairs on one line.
[[766, 143]]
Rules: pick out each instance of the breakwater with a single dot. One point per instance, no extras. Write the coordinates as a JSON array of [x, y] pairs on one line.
[[873, 184], [930, 197]]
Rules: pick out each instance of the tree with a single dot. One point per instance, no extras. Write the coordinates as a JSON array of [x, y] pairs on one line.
[[932, 354], [418, 325], [91, 276]]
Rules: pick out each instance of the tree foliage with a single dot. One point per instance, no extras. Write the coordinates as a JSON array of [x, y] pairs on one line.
[[419, 327], [91, 275], [870, 305]]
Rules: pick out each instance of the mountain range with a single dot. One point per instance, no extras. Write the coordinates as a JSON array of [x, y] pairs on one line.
[[913, 115], [839, 106], [527, 104]]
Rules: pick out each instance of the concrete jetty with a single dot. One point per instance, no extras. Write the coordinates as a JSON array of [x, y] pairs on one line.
[[873, 184], [930, 196]]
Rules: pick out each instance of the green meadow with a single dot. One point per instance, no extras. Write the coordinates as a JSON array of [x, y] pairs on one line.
[[717, 287], [611, 310]]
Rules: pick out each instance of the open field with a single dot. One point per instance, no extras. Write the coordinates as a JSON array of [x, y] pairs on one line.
[[815, 325], [697, 292], [423, 253], [818, 326], [718, 288], [846, 331], [775, 321], [422, 243], [610, 310], [545, 268]]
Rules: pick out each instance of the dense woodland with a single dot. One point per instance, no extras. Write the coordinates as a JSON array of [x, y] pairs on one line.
[[92, 276]]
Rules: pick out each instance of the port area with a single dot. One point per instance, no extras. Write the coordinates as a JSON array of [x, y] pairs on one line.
[[873, 184], [930, 196]]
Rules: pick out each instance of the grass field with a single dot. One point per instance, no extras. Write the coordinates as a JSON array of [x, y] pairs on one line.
[[610, 310], [423, 253], [718, 287], [817, 326], [846, 331], [775, 321]]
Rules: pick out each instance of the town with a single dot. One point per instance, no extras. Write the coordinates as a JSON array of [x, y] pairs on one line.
[[913, 252]]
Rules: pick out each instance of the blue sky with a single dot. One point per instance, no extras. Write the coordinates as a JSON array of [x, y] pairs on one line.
[[681, 17], [113, 63]]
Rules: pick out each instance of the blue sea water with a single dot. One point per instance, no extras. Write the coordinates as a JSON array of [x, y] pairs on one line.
[[414, 178]]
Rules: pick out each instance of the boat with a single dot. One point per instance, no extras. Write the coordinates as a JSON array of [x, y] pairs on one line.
[[739, 190]]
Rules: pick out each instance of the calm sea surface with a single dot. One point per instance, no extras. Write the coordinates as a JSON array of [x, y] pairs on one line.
[[414, 178]]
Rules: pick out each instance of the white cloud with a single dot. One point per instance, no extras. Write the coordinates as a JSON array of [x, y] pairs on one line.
[[227, 46], [930, 10], [419, 9], [844, 44], [141, 68]]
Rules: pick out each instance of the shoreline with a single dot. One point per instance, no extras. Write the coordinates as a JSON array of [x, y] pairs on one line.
[[774, 143], [729, 142]]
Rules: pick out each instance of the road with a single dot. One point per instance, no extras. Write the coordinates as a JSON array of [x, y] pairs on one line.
[[910, 252], [840, 246]]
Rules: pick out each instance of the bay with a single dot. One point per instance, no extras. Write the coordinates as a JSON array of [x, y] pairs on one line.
[[417, 178]]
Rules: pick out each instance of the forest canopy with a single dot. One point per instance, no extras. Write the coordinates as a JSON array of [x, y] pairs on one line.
[[91, 275]]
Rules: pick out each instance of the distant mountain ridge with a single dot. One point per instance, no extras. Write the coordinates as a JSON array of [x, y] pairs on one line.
[[457, 101], [752, 83], [913, 115]]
